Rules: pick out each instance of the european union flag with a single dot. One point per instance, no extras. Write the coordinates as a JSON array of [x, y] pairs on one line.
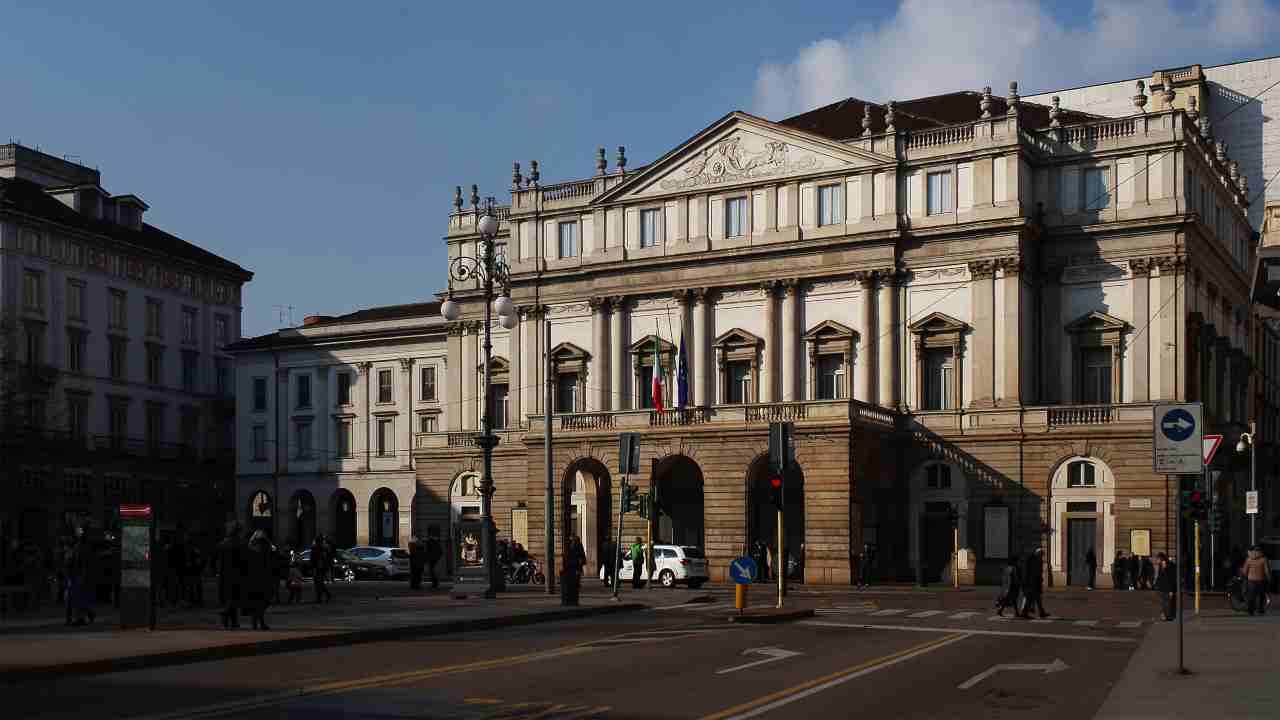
[[682, 377]]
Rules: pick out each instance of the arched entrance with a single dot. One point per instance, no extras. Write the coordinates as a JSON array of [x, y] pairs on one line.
[[384, 518], [261, 512], [343, 512], [464, 551], [1082, 497], [938, 489], [302, 513], [762, 517], [586, 508], [679, 489]]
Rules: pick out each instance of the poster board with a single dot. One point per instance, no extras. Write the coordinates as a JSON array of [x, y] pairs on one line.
[[136, 525], [1140, 542], [996, 532]]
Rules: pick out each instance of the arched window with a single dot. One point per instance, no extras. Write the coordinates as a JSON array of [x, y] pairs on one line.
[[938, 477], [1081, 473]]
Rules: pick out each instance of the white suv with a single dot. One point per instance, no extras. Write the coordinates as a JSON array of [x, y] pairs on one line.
[[387, 562], [673, 564]]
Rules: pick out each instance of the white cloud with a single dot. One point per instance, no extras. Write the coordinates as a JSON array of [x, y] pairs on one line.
[[934, 46]]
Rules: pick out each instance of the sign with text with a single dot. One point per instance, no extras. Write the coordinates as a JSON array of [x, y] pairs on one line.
[[996, 532], [135, 566], [1177, 439], [1251, 502]]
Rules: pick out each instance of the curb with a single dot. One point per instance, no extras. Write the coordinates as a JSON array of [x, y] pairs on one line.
[[771, 618], [313, 642]]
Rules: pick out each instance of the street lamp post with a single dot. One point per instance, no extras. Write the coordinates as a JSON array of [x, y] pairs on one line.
[[1249, 442], [490, 269]]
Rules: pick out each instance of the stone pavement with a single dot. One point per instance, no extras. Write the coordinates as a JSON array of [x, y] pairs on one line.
[[1232, 659], [42, 647]]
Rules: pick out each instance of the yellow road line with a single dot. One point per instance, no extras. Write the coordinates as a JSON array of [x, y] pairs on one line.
[[837, 675]]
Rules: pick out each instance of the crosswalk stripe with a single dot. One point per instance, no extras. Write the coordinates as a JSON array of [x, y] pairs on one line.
[[1086, 623], [889, 611], [962, 615], [1130, 624], [925, 614], [1042, 621], [998, 618], [704, 607]]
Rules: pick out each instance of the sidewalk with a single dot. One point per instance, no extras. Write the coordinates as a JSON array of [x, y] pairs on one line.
[[1232, 658], [42, 647]]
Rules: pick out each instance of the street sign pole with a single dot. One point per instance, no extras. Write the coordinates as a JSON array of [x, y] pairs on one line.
[[617, 550], [1177, 449], [1177, 581]]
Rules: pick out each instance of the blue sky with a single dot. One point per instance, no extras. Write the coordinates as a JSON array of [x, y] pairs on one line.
[[318, 145]]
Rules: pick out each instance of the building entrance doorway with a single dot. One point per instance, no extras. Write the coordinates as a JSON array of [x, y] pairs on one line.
[[1081, 538], [762, 518], [679, 486], [384, 519], [344, 518], [936, 542], [587, 509], [303, 510], [260, 513]]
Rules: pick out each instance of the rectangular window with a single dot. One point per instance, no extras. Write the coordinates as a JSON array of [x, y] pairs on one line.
[[259, 394], [189, 326], [829, 205], [155, 367], [77, 417], [1097, 376], [33, 290], [75, 300], [223, 378], [427, 423], [938, 477], [75, 350], [118, 423], [650, 228], [303, 439], [384, 386], [345, 447], [939, 379], [190, 370], [831, 376], [498, 404], [116, 358], [260, 442], [221, 330], [738, 379], [735, 217], [386, 437], [428, 382], [938, 193], [154, 324], [304, 391], [568, 237], [567, 392], [1097, 191], [344, 388], [35, 345], [116, 317], [155, 425]]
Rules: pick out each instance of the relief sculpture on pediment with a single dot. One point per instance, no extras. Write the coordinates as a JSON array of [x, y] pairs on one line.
[[739, 158]]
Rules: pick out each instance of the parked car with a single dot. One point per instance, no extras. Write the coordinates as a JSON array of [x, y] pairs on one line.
[[673, 564], [384, 562], [346, 567]]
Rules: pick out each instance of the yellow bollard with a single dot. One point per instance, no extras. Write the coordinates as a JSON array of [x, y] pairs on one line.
[[740, 597]]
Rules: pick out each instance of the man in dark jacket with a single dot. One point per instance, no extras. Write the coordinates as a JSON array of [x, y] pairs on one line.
[[609, 561], [1033, 584], [417, 559], [231, 577], [1010, 586], [1091, 562], [1167, 585], [432, 554], [321, 558]]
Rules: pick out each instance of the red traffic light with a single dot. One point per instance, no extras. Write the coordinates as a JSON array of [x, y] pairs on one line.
[[775, 482], [1195, 496]]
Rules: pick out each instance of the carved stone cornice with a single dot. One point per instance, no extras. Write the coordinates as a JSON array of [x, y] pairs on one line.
[[982, 269], [705, 295], [406, 364], [684, 296], [598, 304], [1011, 266], [1141, 267], [364, 368]]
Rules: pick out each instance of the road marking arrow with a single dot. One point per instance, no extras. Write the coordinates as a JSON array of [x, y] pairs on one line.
[[772, 654], [1053, 667]]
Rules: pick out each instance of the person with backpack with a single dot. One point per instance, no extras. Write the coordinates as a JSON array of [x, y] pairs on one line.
[[1257, 573]]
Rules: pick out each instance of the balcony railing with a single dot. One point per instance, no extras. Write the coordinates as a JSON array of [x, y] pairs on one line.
[[687, 416], [1081, 415], [586, 421], [776, 412]]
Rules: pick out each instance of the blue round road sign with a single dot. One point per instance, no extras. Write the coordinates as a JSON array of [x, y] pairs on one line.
[[1177, 424], [743, 571]]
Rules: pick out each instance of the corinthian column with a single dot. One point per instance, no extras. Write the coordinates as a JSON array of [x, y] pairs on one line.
[[770, 390], [790, 340], [887, 341], [864, 385], [598, 398], [984, 348], [702, 362], [470, 388], [618, 354]]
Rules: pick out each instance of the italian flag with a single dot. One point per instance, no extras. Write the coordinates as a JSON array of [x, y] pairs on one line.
[[657, 375]]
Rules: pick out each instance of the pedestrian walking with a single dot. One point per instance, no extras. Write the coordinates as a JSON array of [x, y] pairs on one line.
[[417, 559], [295, 583], [321, 557], [1257, 572], [1135, 571], [1033, 584], [231, 577], [432, 554], [1119, 571], [260, 578], [637, 562], [609, 561], [1166, 584], [577, 560], [864, 565], [1091, 562], [1010, 587], [1147, 574]]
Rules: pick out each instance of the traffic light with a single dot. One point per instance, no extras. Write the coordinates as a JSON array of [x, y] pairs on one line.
[[782, 451], [776, 490], [1194, 504], [644, 506], [629, 503]]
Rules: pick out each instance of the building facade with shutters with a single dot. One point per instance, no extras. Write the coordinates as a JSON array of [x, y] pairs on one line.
[[115, 386]]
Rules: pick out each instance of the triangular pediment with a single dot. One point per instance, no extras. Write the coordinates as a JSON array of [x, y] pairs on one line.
[[741, 149], [738, 337], [497, 364], [937, 322], [645, 345], [566, 351], [1096, 321], [829, 329]]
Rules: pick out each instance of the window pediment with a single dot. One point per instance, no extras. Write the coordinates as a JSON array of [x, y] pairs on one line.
[[738, 338], [830, 330], [645, 346], [937, 324], [1096, 322], [567, 352]]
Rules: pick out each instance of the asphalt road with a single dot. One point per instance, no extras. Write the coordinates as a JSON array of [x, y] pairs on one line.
[[871, 659]]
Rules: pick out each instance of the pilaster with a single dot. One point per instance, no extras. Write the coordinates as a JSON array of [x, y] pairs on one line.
[[984, 347], [792, 290]]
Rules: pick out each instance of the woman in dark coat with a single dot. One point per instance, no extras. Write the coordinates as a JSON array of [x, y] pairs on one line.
[[260, 578], [1010, 586], [231, 577]]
